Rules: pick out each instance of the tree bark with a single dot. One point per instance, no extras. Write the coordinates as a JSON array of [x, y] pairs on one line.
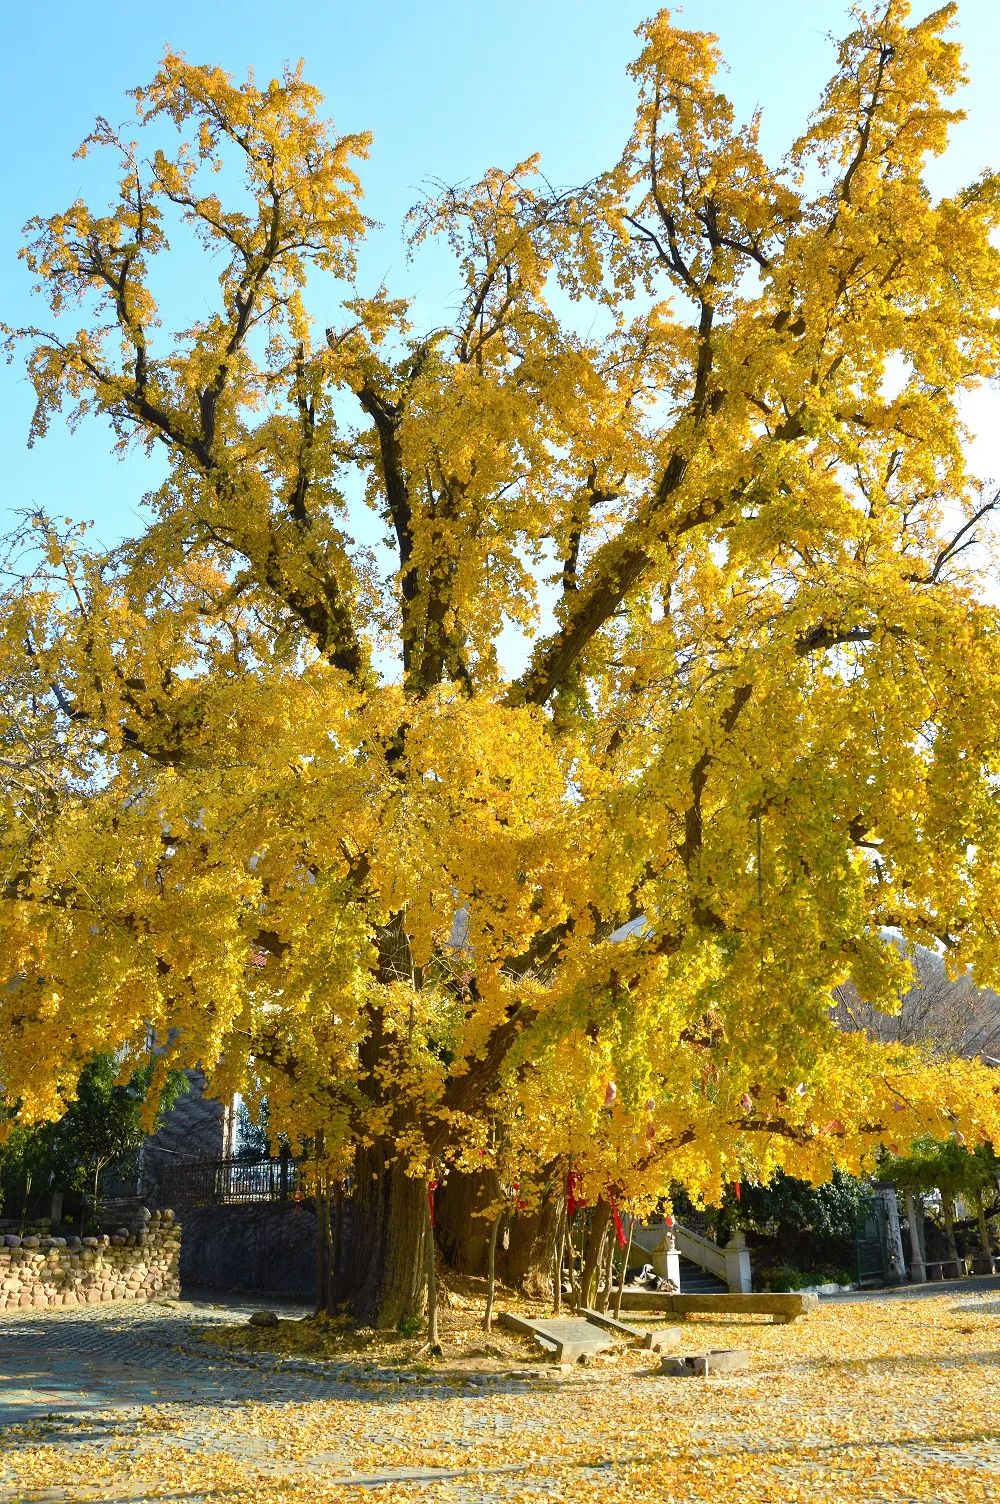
[[526, 1263], [574, 1284], [600, 1216], [984, 1263], [381, 1276], [324, 1290], [948, 1213], [334, 1244], [621, 1282], [608, 1261], [462, 1235], [491, 1274], [984, 1232], [558, 1256], [430, 1260]]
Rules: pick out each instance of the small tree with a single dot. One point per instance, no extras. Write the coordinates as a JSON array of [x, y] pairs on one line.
[[106, 1120], [25, 1164], [953, 1170], [253, 1131]]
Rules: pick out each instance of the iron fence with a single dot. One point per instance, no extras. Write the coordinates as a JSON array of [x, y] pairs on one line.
[[226, 1182]]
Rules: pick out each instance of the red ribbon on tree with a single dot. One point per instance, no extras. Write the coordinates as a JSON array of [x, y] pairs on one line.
[[737, 1190], [432, 1186], [573, 1204], [619, 1229]]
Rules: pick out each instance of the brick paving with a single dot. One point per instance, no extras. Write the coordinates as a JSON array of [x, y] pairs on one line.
[[73, 1380], [89, 1374]]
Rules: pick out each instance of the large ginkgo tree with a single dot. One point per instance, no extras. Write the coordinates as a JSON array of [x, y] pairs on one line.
[[280, 784]]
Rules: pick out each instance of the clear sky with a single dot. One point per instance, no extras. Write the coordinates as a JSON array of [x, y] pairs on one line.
[[448, 87]]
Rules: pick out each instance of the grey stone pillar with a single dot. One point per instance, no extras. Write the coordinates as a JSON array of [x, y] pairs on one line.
[[669, 1264], [896, 1273], [914, 1217], [738, 1265]]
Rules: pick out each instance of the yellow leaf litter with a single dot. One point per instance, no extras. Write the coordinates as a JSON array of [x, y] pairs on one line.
[[877, 1401]]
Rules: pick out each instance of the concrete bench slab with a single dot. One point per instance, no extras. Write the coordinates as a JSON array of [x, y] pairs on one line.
[[653, 1341], [567, 1338], [781, 1307]]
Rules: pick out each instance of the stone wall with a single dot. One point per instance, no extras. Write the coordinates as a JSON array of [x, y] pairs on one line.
[[47, 1272], [264, 1246]]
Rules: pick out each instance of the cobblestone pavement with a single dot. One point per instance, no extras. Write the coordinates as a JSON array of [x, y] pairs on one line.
[[879, 1401], [96, 1375]]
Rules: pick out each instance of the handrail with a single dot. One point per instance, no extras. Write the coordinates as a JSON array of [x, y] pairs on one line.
[[701, 1251]]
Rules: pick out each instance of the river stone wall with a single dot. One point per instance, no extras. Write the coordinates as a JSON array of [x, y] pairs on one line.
[[44, 1273], [265, 1246]]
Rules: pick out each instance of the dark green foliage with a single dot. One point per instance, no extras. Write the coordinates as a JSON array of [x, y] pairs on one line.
[[784, 1278], [796, 1231], [945, 1166], [791, 1210], [106, 1121], [806, 1231]]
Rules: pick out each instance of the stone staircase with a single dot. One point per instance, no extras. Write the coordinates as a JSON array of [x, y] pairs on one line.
[[697, 1281], [694, 1262]]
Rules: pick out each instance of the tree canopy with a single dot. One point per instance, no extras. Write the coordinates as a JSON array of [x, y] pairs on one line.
[[693, 435]]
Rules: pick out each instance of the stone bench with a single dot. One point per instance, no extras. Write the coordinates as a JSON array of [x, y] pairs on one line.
[[780, 1306], [947, 1268]]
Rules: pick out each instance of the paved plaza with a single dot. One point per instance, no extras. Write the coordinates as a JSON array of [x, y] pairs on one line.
[[877, 1399]]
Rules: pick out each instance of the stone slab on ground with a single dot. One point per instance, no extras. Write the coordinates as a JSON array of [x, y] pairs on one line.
[[653, 1341], [717, 1360], [568, 1338]]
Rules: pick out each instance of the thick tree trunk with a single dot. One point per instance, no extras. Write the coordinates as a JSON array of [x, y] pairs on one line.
[[462, 1235], [526, 1262], [381, 1275]]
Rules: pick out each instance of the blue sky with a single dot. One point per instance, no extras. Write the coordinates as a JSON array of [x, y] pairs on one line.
[[448, 88]]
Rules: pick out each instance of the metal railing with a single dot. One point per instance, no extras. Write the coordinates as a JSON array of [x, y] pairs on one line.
[[228, 1182]]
